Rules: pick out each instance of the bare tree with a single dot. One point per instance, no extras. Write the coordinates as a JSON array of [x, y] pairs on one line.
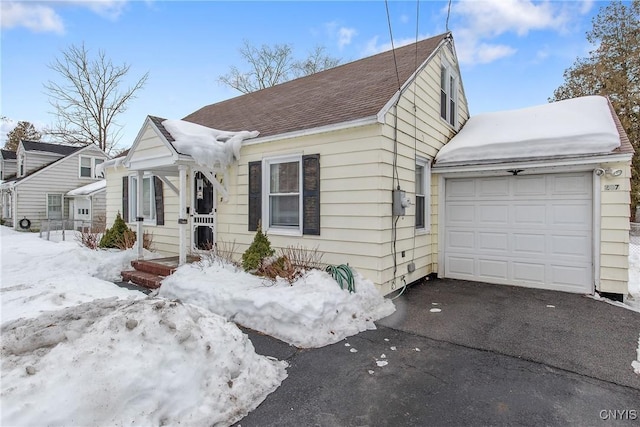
[[89, 97], [272, 65], [317, 61], [23, 131], [612, 69]]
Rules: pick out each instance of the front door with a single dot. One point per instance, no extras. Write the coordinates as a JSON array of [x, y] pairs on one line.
[[203, 217]]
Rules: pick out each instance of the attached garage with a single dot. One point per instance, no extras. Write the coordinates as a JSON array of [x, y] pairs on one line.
[[537, 197], [532, 230]]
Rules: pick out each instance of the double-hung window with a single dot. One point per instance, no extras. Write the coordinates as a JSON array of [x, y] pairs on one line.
[[88, 166], [54, 206], [148, 199], [423, 184], [448, 93], [283, 193]]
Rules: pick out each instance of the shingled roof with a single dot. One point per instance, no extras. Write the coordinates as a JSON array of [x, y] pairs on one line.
[[65, 150], [347, 92], [8, 154]]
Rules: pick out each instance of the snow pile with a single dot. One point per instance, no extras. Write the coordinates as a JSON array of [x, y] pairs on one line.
[[313, 312], [144, 362], [40, 275], [89, 188], [572, 127], [209, 147]]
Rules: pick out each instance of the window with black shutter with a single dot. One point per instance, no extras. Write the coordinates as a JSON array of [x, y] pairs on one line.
[[255, 194], [311, 194]]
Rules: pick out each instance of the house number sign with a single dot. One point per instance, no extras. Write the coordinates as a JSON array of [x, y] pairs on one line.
[[611, 187]]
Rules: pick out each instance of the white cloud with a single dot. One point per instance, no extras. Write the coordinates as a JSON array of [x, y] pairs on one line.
[[41, 16], [476, 23], [345, 35], [35, 17]]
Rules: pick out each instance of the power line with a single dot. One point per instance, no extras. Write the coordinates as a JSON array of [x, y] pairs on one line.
[[393, 49], [448, 13]]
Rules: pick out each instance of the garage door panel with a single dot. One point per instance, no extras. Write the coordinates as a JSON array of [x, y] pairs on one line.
[[573, 215], [493, 215], [495, 242], [527, 186], [461, 240], [460, 214], [529, 272], [493, 268], [489, 187], [575, 185], [577, 246], [461, 266], [533, 230], [528, 244], [525, 215]]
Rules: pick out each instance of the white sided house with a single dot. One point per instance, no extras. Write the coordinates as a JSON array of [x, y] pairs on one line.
[[346, 161], [45, 174]]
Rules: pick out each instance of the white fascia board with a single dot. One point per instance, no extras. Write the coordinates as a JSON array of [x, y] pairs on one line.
[[313, 131], [584, 163], [410, 80], [136, 142]]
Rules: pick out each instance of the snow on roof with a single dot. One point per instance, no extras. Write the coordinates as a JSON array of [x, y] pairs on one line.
[[85, 190], [207, 146], [573, 127]]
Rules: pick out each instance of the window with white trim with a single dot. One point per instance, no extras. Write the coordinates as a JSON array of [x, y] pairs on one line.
[[88, 166], [423, 194], [148, 199], [54, 206], [283, 207], [448, 93]]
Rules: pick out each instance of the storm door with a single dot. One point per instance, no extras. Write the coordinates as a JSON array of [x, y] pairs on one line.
[[203, 216]]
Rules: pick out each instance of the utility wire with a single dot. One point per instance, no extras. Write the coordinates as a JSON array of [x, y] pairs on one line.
[[393, 49], [448, 13]]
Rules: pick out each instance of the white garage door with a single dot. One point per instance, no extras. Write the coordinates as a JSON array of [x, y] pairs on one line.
[[525, 230]]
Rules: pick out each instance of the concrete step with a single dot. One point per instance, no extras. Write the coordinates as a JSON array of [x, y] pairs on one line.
[[153, 267], [142, 278]]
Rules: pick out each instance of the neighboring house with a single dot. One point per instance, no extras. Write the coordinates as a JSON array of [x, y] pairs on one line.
[[88, 204], [343, 163], [45, 173], [7, 164]]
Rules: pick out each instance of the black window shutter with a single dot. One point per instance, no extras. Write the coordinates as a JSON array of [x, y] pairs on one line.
[[159, 196], [255, 194], [311, 194], [125, 198]]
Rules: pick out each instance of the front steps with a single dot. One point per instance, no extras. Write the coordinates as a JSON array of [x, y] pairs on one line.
[[150, 274]]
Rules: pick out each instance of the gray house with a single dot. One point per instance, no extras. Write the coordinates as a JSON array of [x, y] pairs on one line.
[[45, 174]]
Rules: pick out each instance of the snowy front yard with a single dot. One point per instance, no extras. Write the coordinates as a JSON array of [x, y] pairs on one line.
[[79, 350]]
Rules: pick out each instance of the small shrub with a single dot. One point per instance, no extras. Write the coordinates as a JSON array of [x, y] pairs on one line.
[[259, 250], [303, 258], [280, 267], [129, 239], [114, 235]]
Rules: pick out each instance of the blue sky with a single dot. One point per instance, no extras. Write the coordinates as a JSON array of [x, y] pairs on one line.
[[512, 52]]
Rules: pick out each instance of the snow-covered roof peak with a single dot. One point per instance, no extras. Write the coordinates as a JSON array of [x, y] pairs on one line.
[[573, 127], [209, 147]]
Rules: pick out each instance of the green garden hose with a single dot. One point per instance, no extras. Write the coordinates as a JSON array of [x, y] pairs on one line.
[[343, 275]]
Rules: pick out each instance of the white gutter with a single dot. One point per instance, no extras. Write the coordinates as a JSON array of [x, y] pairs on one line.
[[313, 131], [532, 164]]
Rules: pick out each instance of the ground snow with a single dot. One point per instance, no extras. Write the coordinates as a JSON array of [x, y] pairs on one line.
[[572, 127], [313, 312], [142, 362]]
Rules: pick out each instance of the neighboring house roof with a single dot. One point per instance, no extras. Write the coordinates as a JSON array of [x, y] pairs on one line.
[[8, 155], [348, 92], [577, 127], [65, 150], [89, 189]]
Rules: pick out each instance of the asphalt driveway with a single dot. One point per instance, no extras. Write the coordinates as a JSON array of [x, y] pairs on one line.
[[491, 355]]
